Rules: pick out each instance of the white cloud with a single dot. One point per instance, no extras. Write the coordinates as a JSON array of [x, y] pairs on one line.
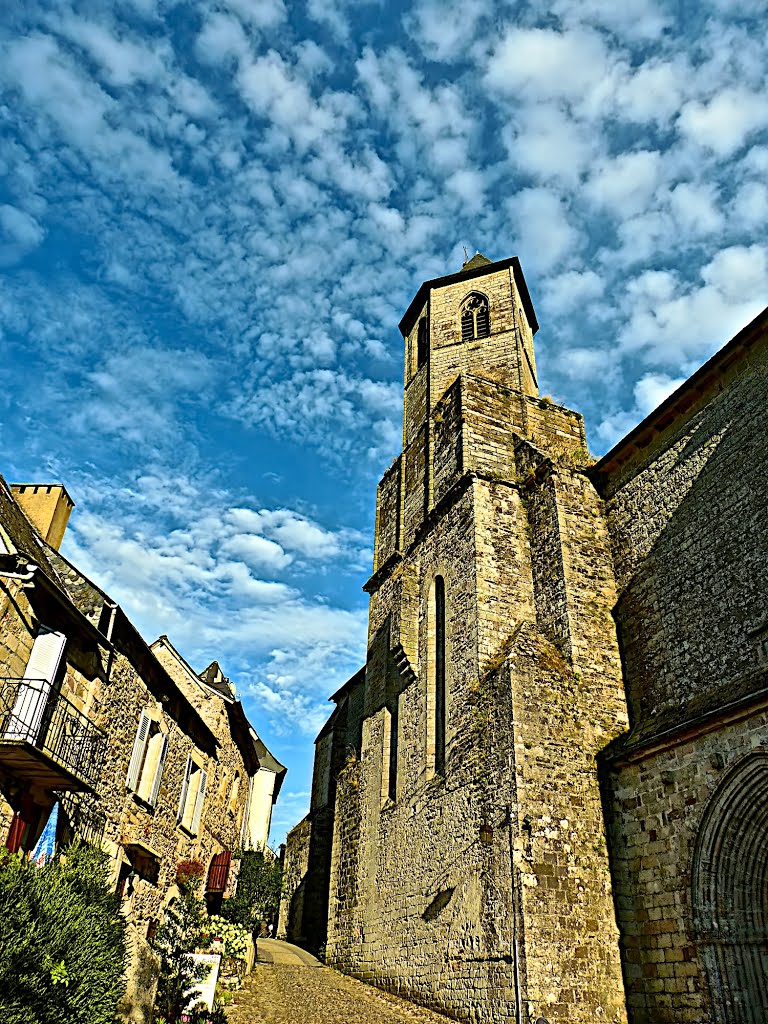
[[446, 29], [549, 144], [221, 37], [122, 61], [652, 92], [750, 205], [678, 326], [649, 392], [724, 123], [198, 581], [544, 64], [695, 209], [643, 19], [625, 183], [258, 13], [571, 290], [56, 89], [20, 233], [546, 235], [328, 409]]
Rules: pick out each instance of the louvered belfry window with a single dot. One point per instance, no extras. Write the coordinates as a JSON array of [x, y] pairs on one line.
[[475, 318]]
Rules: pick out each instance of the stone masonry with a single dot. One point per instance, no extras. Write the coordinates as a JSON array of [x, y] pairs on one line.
[[547, 788], [193, 790]]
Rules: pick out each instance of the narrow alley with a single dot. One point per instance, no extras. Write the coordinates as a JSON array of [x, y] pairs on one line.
[[288, 986]]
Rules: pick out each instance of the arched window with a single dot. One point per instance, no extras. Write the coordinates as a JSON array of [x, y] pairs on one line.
[[730, 893], [436, 679], [475, 317]]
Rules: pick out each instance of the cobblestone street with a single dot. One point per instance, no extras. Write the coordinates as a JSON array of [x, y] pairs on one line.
[[295, 989]]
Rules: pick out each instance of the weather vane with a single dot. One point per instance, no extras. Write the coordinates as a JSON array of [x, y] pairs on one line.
[[466, 253]]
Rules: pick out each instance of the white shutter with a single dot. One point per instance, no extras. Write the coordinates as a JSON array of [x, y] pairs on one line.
[[158, 771], [44, 660], [184, 788], [137, 754], [46, 655], [195, 827], [244, 837]]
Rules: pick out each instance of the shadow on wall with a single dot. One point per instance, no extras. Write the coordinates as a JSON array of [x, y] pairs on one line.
[[295, 927], [137, 1004]]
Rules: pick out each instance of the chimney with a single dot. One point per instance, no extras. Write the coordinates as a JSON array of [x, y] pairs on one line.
[[47, 507]]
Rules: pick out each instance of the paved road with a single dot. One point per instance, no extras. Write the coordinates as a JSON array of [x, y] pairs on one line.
[[291, 987]]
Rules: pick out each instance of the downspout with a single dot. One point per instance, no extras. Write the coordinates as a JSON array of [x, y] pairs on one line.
[[24, 577]]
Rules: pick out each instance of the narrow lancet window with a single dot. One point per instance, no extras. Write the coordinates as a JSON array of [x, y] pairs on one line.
[[422, 345], [436, 702], [393, 738], [475, 318], [439, 675], [389, 753]]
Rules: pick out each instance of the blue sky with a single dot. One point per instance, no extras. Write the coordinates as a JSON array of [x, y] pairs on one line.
[[213, 215]]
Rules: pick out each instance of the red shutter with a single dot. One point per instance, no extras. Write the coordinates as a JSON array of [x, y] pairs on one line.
[[219, 872]]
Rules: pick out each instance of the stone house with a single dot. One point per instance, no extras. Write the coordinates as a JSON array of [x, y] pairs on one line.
[[544, 796], [156, 763]]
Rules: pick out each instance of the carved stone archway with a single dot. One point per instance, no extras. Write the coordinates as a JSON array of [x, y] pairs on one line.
[[730, 894]]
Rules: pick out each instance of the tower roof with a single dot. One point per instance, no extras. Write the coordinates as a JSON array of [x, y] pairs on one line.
[[478, 266], [478, 260]]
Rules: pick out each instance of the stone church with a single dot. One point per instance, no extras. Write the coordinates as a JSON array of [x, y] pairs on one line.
[[545, 795]]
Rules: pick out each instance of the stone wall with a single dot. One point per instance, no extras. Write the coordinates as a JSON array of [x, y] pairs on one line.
[[291, 921], [686, 508]]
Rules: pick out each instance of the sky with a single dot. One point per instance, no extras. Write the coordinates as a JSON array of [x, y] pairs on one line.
[[213, 214]]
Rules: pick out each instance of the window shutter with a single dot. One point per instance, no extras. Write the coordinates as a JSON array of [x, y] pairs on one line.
[[467, 325], [138, 751], [184, 788], [158, 771], [246, 816], [483, 322], [46, 655], [199, 802]]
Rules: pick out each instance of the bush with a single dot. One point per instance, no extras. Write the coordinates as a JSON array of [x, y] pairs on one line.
[[258, 891], [234, 937], [181, 933], [62, 940]]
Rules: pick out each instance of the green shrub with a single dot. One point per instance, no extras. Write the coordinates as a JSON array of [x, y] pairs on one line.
[[62, 940], [258, 891], [181, 933]]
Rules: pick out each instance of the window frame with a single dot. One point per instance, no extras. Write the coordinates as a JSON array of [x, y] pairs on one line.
[[190, 810], [145, 769], [475, 311]]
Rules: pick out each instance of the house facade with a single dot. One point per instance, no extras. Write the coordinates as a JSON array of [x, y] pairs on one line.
[[543, 798], [138, 752]]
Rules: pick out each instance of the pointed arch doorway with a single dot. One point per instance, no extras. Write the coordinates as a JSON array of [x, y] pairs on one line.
[[730, 894]]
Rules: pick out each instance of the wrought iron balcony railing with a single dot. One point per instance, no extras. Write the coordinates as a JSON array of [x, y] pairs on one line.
[[35, 720]]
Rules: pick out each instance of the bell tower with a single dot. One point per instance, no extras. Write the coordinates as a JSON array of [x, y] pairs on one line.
[[479, 321], [470, 863], [470, 390]]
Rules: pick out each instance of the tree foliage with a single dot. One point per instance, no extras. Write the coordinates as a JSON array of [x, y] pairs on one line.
[[181, 933], [257, 897], [62, 940]]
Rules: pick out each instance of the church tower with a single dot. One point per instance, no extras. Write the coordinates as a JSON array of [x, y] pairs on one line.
[[469, 867]]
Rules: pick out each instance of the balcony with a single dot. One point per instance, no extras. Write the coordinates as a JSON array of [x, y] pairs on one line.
[[45, 740]]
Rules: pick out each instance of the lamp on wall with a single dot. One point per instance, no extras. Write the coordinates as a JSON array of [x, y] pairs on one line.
[[486, 833]]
